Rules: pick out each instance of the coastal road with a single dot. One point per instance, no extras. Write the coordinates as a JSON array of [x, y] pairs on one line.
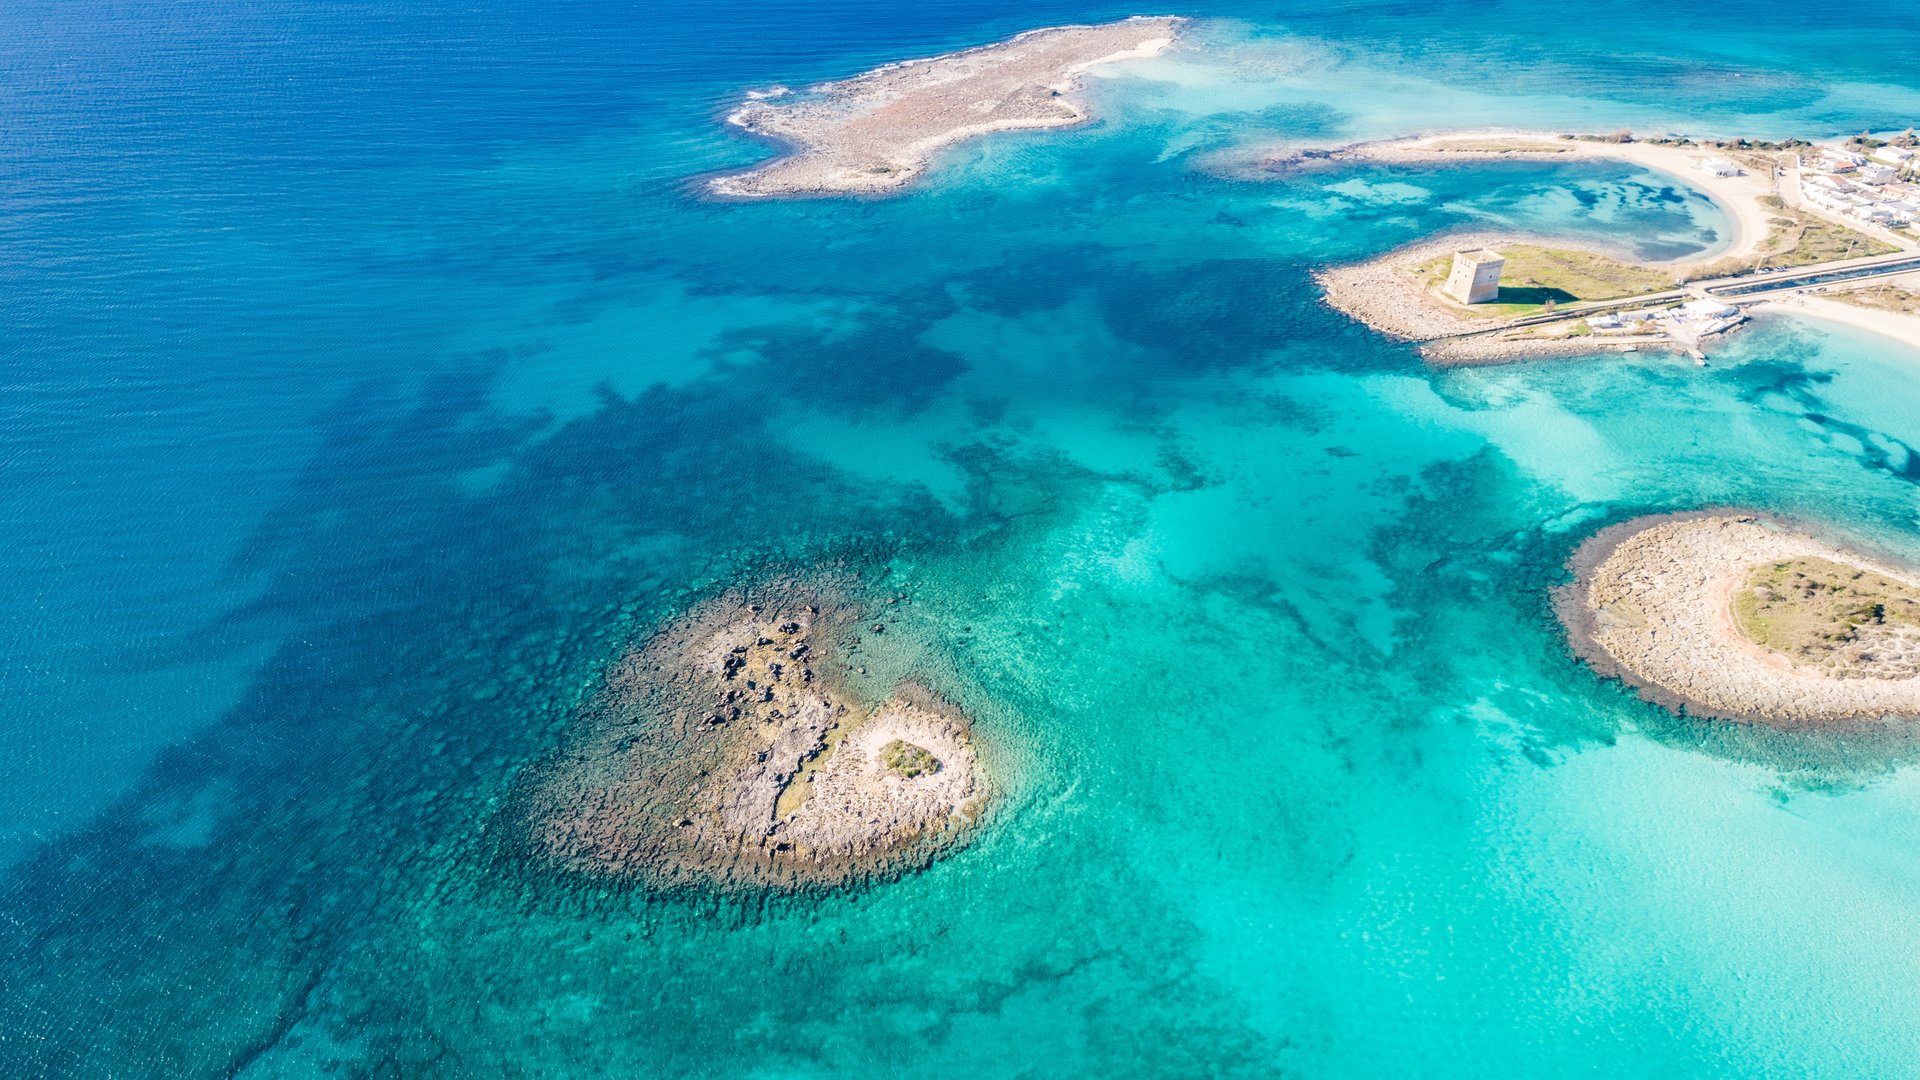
[[1744, 289], [1755, 286]]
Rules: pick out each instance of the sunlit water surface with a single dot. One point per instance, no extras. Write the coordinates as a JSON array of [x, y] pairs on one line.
[[374, 378]]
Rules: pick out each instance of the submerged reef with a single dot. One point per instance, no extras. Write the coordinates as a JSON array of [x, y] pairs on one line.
[[726, 751], [1740, 617]]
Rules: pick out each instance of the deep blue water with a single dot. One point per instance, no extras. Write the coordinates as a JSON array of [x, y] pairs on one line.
[[373, 376]]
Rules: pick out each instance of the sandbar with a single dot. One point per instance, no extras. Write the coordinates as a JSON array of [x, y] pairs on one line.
[[1654, 603], [1737, 196], [877, 132]]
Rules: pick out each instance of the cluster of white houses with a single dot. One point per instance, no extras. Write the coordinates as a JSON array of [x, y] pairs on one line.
[[1879, 187], [1694, 319]]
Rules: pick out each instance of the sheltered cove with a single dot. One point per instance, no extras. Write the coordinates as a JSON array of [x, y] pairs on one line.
[[1678, 605], [1770, 220], [878, 131], [724, 753]]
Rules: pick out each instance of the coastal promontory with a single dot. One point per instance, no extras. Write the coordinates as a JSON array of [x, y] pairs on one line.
[[878, 131], [1742, 617], [730, 750]]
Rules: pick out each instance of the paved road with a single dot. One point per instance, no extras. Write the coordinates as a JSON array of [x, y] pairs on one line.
[[1805, 277], [1752, 287]]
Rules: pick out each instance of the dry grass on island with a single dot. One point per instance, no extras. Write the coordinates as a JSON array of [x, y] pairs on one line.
[[1739, 617], [878, 131], [1898, 299], [1398, 294], [1539, 278], [1793, 238], [726, 753]]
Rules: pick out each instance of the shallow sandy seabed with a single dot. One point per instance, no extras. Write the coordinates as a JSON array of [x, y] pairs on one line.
[[1737, 196]]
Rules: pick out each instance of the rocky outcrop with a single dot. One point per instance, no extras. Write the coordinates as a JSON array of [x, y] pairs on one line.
[[724, 752], [878, 131], [1652, 604]]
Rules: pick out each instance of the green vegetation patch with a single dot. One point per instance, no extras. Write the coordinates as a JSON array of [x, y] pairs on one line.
[[1797, 239], [1536, 277], [1821, 612], [1883, 297], [1807, 240], [907, 760]]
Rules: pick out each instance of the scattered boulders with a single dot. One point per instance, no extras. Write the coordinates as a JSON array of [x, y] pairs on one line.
[[705, 762]]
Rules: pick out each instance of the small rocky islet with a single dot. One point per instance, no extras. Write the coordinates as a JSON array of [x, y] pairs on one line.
[[1738, 616], [729, 751], [877, 132]]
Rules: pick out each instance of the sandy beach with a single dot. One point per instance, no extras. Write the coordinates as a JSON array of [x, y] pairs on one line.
[[879, 131], [1823, 308], [1651, 605], [1737, 196]]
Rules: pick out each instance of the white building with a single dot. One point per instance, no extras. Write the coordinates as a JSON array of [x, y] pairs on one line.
[[1717, 166], [1709, 309], [1877, 174], [1893, 155]]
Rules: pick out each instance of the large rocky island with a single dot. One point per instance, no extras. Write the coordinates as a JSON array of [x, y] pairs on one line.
[[728, 752], [877, 131], [1740, 617]]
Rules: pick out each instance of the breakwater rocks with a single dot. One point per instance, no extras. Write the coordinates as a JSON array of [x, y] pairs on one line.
[[726, 752], [1740, 617], [878, 131]]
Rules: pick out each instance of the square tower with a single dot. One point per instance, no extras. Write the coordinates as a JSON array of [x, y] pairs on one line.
[[1475, 278]]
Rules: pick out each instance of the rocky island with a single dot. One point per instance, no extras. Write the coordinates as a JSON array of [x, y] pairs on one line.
[[1397, 294], [878, 131], [727, 752], [1741, 617]]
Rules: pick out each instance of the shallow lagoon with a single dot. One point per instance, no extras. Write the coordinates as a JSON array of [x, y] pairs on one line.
[[386, 458]]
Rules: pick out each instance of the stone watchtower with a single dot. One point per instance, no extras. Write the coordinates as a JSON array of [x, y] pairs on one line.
[[1475, 278]]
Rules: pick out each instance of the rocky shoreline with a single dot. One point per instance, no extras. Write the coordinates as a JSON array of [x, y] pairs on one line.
[[725, 753], [1652, 605], [877, 132]]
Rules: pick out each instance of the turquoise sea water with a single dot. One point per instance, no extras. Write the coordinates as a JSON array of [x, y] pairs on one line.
[[374, 377]]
